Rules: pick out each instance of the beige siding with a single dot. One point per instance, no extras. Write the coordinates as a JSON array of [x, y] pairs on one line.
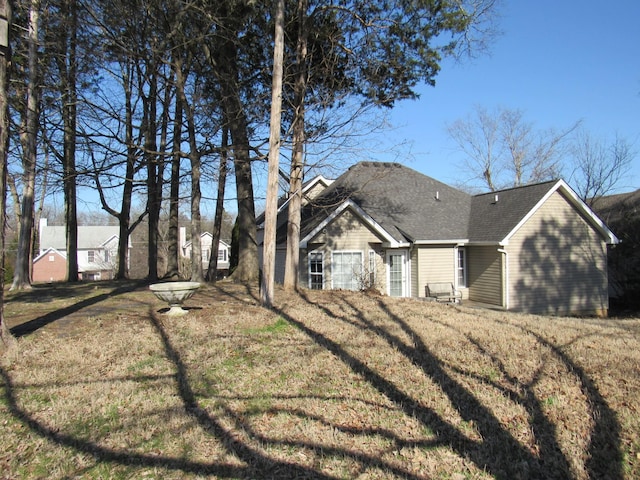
[[345, 233], [484, 275], [557, 263], [433, 264], [415, 274], [313, 192]]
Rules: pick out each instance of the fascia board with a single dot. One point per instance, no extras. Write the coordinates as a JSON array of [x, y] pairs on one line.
[[350, 204], [460, 241]]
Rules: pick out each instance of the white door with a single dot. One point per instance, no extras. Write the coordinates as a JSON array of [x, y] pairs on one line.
[[397, 273]]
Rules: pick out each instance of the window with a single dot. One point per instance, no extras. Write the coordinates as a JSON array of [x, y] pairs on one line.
[[205, 254], [222, 255], [316, 271], [91, 256], [372, 268], [346, 270], [52, 258], [106, 255], [462, 267]]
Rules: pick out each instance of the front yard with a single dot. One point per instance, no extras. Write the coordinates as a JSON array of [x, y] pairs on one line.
[[101, 384]]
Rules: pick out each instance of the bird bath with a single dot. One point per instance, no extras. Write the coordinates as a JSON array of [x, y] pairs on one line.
[[175, 294]]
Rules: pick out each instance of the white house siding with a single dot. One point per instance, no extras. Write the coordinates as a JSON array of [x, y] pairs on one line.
[[345, 233], [484, 274], [433, 264], [557, 263]]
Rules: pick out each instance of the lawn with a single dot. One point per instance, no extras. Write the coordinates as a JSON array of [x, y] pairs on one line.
[[101, 384]]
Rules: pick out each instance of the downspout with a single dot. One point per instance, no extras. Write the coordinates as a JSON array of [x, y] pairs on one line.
[[505, 289]]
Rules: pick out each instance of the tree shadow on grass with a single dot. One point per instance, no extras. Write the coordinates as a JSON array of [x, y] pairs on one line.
[[498, 452], [66, 292]]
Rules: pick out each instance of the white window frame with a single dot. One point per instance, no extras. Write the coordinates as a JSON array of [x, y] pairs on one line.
[[373, 268], [91, 256], [358, 281], [312, 274], [461, 252]]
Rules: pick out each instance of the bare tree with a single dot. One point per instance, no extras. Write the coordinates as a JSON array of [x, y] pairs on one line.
[[22, 273], [599, 166], [292, 258], [503, 150], [212, 270], [5, 58], [478, 138], [271, 211]]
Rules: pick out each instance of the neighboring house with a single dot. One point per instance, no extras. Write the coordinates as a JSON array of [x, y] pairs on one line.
[[622, 213], [206, 241], [50, 266], [536, 248], [97, 253]]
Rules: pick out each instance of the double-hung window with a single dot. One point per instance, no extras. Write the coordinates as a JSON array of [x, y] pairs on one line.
[[462, 267], [91, 256], [316, 271]]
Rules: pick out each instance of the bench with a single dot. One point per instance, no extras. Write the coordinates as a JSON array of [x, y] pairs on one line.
[[443, 292]]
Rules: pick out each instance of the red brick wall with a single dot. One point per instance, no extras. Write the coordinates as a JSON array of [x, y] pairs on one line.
[[45, 270]]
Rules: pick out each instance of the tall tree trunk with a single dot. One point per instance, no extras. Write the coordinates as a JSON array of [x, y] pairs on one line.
[[124, 217], [271, 209], [292, 259], [247, 269], [181, 72], [5, 57], [22, 274], [68, 76], [154, 171], [212, 271], [173, 237]]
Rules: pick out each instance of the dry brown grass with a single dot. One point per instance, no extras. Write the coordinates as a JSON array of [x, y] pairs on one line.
[[327, 385]]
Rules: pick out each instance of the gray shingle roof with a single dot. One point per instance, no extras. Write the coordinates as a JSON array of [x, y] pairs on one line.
[[407, 204], [413, 207], [90, 237]]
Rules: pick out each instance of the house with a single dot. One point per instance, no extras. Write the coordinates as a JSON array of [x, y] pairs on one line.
[[536, 248], [206, 241], [622, 213], [50, 266], [97, 252]]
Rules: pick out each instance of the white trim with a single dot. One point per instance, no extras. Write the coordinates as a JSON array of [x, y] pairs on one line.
[[457, 242], [350, 204], [505, 290], [599, 225], [312, 183], [48, 251]]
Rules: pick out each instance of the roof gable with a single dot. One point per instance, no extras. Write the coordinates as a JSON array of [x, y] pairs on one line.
[[50, 251], [505, 211], [366, 219]]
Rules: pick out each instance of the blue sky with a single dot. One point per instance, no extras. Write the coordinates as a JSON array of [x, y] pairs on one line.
[[558, 61]]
